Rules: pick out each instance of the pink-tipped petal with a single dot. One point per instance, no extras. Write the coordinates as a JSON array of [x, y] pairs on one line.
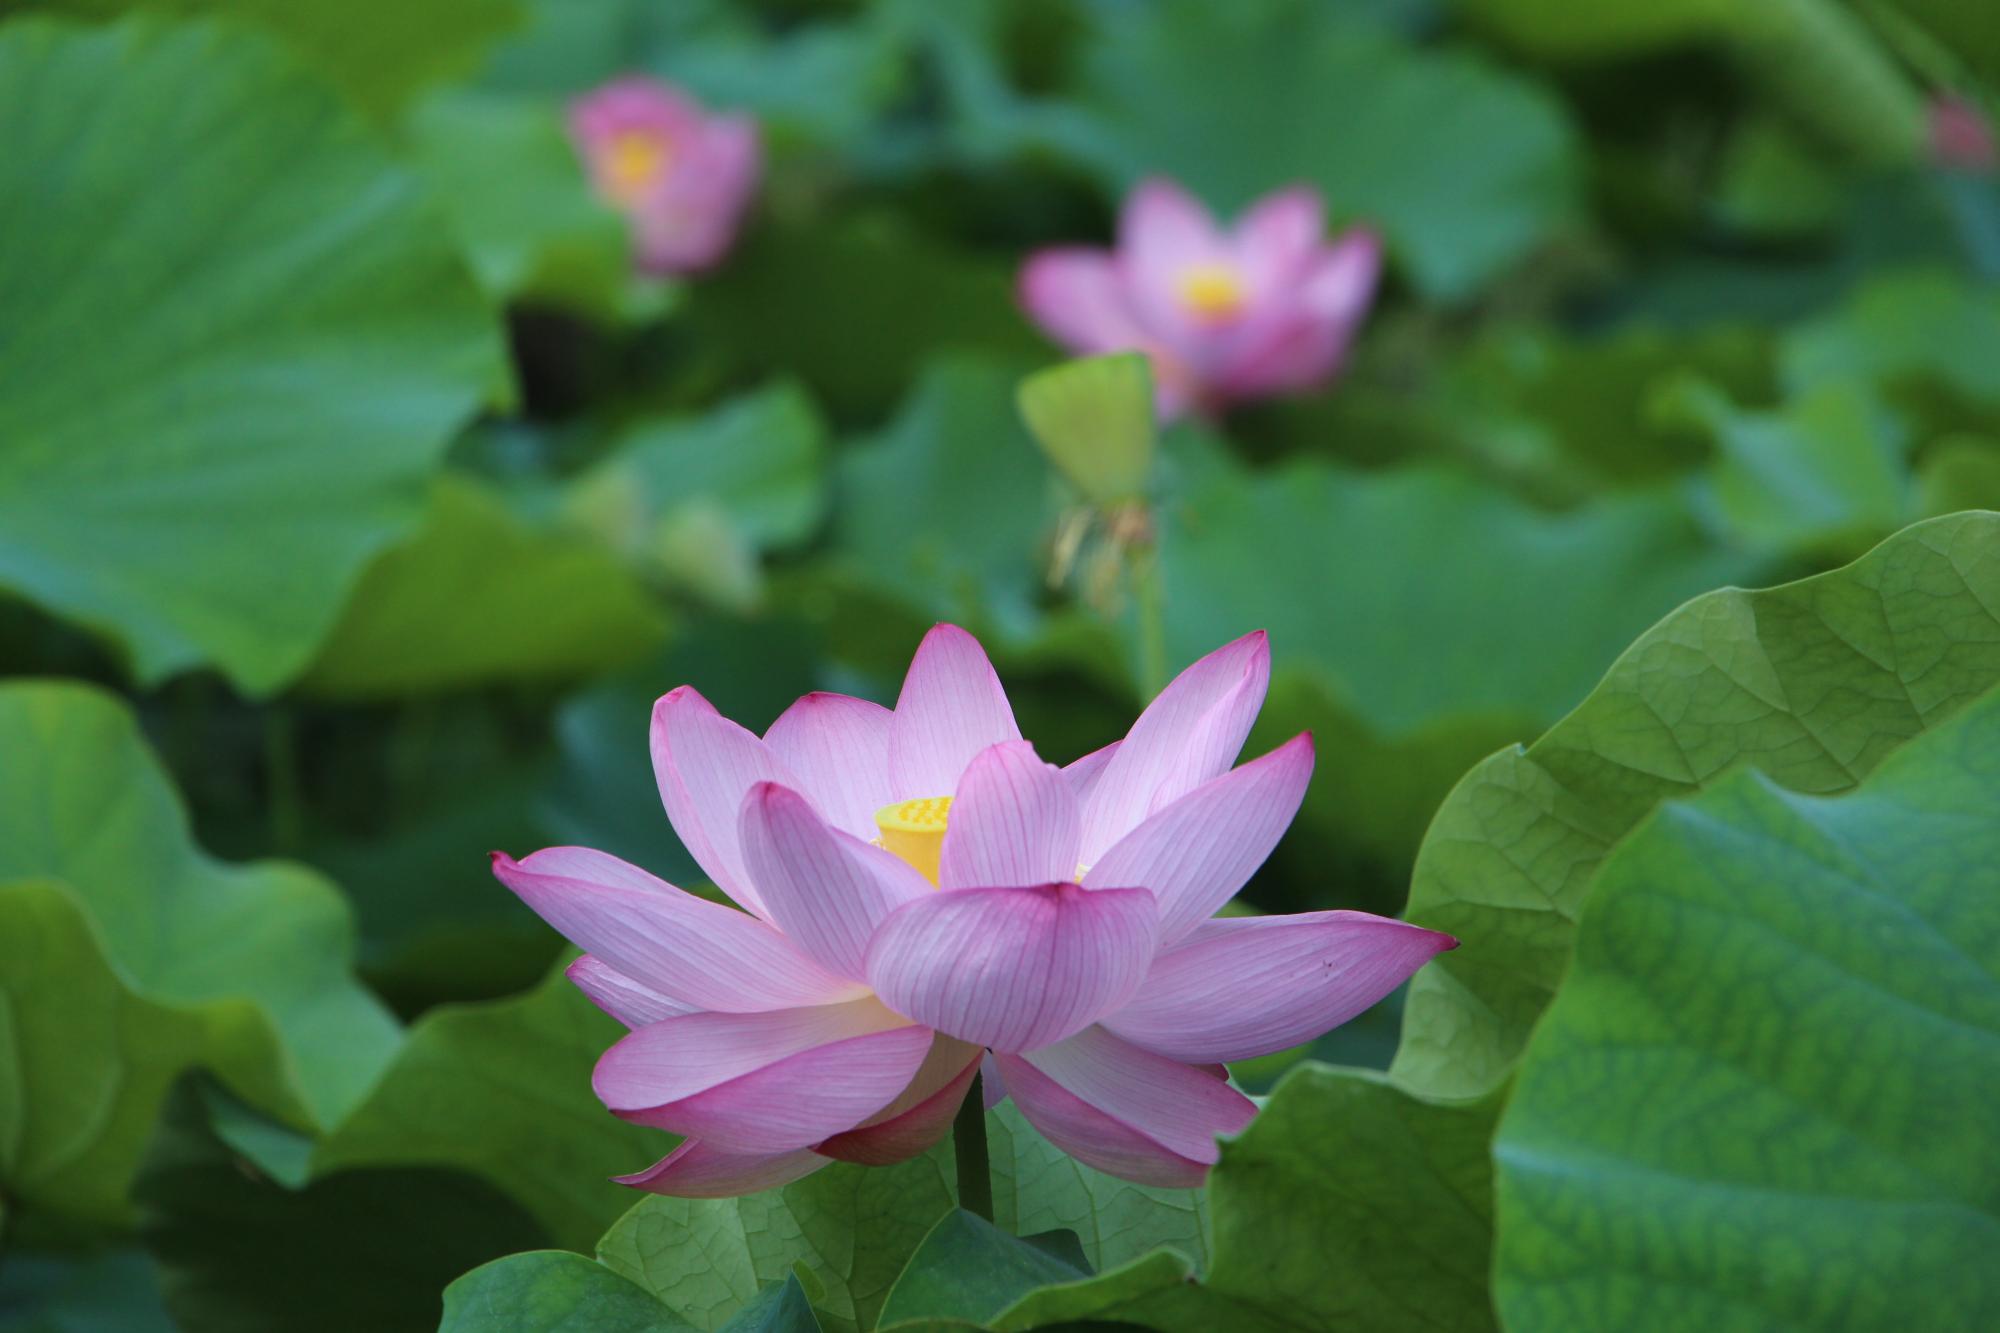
[[1276, 238], [692, 951], [1077, 296], [1164, 236], [1248, 986], [626, 1000], [697, 1170], [1342, 281], [706, 765], [918, 1119], [1189, 734], [838, 746], [1014, 820], [1124, 1110], [950, 709], [762, 1083], [826, 889], [1014, 969], [1198, 851], [1163, 229]]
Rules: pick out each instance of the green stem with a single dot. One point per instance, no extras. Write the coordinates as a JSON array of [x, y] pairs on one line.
[[968, 1141], [1147, 591]]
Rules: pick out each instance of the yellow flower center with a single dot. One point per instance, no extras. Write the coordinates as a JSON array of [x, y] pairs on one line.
[[1213, 293], [634, 163], [914, 831]]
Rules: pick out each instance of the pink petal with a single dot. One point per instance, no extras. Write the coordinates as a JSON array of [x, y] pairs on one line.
[[1247, 986], [1301, 344], [1162, 229], [626, 1000], [632, 103], [826, 890], [1189, 734], [1343, 279], [992, 1087], [690, 223], [761, 1083], [839, 748], [706, 765], [689, 950], [1077, 296], [1197, 852], [1124, 1110], [918, 1119], [1278, 235], [698, 1170], [951, 708], [1014, 820], [1084, 773], [1013, 969]]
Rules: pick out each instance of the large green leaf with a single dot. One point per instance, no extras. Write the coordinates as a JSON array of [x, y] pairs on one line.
[[240, 1252], [686, 499], [1463, 166], [507, 175], [131, 955], [947, 507], [1814, 59], [853, 1227], [478, 595], [1039, 1188], [1347, 1203], [502, 1091], [1768, 1093], [1422, 594], [1418, 617], [969, 1269], [552, 1291], [1827, 472], [378, 52], [1813, 683], [1926, 327], [236, 340]]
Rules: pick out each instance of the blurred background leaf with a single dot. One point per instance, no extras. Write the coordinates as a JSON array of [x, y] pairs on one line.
[[276, 330], [133, 955]]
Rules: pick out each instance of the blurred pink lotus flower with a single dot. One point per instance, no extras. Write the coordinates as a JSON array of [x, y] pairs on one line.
[[1261, 309], [681, 175], [1961, 137], [920, 889]]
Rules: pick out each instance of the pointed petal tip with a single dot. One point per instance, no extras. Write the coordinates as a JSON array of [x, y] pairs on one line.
[[681, 696]]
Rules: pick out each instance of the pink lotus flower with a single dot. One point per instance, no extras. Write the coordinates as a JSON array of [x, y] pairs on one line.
[[1262, 309], [921, 889], [1961, 137], [682, 176]]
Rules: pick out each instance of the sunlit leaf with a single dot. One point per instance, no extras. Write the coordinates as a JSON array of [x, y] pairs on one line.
[[1812, 683], [1765, 1096], [237, 340]]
